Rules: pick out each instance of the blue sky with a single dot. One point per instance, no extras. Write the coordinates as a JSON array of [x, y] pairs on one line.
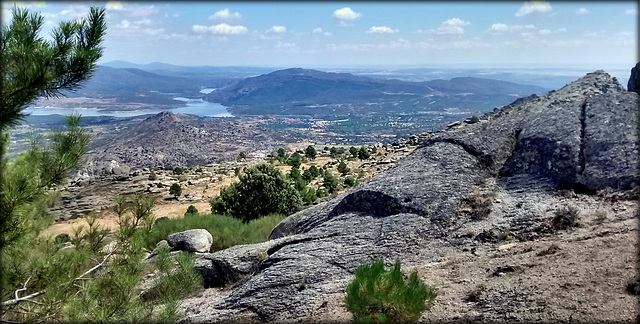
[[343, 34]]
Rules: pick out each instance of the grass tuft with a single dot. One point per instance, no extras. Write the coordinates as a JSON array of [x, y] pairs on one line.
[[377, 295]]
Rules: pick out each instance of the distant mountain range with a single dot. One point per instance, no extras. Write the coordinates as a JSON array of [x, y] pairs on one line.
[[296, 91], [305, 91]]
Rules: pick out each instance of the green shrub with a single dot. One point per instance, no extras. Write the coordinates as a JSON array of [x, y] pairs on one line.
[[354, 151], [377, 295], [191, 210], [178, 170], [310, 152], [350, 181], [309, 196], [175, 190], [175, 282], [330, 182], [262, 190], [335, 152], [343, 168], [295, 160], [363, 153]]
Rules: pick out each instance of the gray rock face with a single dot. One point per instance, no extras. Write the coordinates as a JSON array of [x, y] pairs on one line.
[[610, 141], [583, 134], [552, 140], [634, 84], [195, 240]]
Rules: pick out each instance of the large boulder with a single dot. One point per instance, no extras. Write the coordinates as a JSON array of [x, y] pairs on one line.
[[195, 240]]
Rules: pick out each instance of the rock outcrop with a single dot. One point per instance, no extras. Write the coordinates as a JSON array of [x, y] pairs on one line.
[[634, 83], [582, 137]]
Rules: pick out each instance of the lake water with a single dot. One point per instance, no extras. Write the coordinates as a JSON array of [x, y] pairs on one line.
[[194, 107]]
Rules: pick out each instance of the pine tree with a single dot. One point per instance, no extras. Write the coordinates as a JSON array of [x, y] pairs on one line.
[[32, 67]]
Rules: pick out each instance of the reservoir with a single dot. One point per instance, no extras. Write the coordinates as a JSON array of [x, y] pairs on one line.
[[197, 107]]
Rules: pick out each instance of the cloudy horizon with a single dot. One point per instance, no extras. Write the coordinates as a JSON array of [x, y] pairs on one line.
[[340, 34]]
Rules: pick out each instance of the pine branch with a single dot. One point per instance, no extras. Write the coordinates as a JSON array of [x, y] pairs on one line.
[[28, 297]]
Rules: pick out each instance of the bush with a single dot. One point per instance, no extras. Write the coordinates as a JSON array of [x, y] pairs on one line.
[[309, 196], [178, 170], [363, 153], [350, 181], [175, 190], [191, 210], [377, 295], [310, 152], [565, 217], [336, 151], [354, 151], [262, 190], [343, 168], [330, 182], [295, 160]]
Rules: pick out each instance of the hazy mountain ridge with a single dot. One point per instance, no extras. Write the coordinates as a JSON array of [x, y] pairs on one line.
[[277, 92]]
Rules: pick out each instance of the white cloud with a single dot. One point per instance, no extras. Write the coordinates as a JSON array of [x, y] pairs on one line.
[[114, 5], [226, 15], [277, 29], [631, 11], [319, 31], [285, 45], [533, 7], [503, 28], [144, 11], [582, 11], [547, 31], [346, 15], [221, 29], [452, 26], [124, 24], [381, 30]]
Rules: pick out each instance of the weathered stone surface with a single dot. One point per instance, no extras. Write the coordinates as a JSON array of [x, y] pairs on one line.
[[611, 141], [550, 141], [410, 211], [195, 240], [233, 265]]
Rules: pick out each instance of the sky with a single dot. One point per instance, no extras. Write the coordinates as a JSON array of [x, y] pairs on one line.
[[358, 34]]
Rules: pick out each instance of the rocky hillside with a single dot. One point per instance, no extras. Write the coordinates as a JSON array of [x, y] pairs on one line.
[[527, 215], [168, 139]]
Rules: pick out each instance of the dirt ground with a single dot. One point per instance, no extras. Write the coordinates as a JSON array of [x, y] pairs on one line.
[[576, 275]]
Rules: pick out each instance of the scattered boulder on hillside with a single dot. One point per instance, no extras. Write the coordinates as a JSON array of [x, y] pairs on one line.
[[195, 240], [634, 83]]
